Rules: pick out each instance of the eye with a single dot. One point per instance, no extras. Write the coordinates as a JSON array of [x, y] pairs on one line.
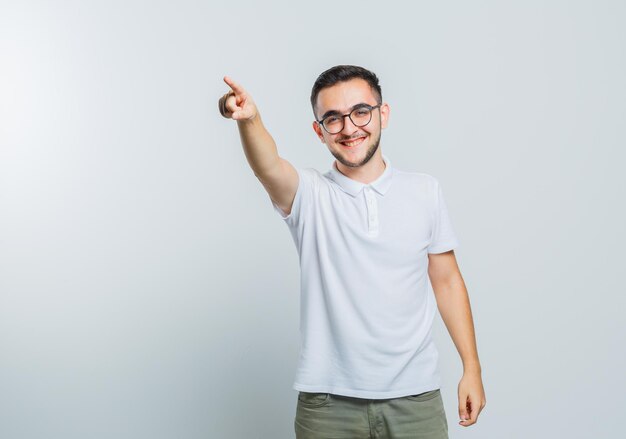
[[331, 120]]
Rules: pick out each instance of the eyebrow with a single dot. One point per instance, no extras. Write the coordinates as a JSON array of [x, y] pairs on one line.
[[333, 112]]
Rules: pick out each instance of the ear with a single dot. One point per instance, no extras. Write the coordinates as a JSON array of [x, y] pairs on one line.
[[384, 115], [318, 131]]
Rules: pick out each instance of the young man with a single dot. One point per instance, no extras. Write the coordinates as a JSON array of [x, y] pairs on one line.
[[369, 237]]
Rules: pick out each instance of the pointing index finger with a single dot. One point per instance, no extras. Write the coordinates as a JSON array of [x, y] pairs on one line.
[[234, 86]]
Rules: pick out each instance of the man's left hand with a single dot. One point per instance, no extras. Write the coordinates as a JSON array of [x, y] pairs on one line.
[[471, 398]]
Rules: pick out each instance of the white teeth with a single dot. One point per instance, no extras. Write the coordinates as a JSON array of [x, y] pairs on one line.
[[354, 142]]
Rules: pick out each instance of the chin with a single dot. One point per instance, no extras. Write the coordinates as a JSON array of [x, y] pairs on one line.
[[361, 159]]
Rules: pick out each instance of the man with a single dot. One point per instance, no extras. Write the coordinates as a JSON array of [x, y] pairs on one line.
[[369, 237]]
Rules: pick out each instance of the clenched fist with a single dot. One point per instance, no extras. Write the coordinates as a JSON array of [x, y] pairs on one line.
[[237, 103]]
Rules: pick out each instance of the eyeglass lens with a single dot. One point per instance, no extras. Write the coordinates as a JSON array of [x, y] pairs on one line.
[[359, 116]]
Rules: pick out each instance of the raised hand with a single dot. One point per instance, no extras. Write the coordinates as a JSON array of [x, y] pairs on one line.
[[237, 104]]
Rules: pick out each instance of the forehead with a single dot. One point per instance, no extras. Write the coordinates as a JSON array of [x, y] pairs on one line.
[[344, 95]]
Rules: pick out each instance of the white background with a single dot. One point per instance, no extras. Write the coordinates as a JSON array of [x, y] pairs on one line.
[[149, 290]]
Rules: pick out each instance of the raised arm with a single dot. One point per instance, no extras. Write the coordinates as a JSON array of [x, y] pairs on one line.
[[277, 175]]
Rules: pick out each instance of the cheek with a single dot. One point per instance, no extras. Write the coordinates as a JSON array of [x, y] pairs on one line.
[[371, 131]]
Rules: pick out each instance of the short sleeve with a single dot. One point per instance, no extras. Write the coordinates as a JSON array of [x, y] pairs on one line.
[[443, 237], [306, 180]]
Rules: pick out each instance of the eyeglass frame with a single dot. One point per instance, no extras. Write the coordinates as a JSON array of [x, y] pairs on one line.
[[343, 117]]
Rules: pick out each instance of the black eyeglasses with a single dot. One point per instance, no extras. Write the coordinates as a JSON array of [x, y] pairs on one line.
[[360, 116]]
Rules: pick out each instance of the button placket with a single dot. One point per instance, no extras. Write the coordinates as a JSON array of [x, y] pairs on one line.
[[372, 210]]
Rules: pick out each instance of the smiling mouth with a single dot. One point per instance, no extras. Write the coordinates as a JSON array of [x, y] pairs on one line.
[[353, 142]]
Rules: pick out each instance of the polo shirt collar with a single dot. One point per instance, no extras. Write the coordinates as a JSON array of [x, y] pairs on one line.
[[353, 187]]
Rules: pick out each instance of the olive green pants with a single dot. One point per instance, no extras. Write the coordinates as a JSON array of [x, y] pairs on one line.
[[330, 416]]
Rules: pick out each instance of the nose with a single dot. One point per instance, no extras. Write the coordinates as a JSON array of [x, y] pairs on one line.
[[348, 126]]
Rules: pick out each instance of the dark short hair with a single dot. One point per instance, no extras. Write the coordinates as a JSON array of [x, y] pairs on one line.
[[345, 73]]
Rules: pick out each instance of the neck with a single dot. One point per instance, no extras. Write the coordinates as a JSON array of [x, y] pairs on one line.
[[367, 173]]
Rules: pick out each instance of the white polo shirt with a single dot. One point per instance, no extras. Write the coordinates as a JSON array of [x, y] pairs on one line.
[[366, 309]]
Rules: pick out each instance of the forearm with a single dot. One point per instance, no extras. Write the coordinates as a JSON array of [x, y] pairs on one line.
[[454, 307], [258, 146]]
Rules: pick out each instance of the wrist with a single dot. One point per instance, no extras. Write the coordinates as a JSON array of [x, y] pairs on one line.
[[472, 367], [252, 120]]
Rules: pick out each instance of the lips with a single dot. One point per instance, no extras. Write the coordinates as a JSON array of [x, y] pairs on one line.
[[353, 142]]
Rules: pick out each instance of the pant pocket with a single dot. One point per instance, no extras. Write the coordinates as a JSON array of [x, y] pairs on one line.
[[312, 399], [426, 396]]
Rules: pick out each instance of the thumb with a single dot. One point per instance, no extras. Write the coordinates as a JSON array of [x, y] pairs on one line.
[[240, 115], [463, 409]]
